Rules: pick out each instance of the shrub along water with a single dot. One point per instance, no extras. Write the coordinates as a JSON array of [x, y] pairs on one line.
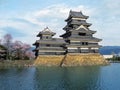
[[16, 63], [115, 58]]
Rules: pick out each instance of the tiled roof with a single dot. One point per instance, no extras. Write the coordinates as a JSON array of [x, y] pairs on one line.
[[77, 14], [53, 40], [46, 31]]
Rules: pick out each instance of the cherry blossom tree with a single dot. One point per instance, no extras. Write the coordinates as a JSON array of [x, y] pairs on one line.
[[21, 50], [16, 48], [30, 55], [7, 43], [25, 48]]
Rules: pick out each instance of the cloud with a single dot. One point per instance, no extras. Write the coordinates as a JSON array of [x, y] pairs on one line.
[[30, 23], [19, 30], [112, 4], [59, 11], [112, 7], [53, 16]]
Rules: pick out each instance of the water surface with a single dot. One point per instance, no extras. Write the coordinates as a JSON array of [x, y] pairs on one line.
[[56, 78]]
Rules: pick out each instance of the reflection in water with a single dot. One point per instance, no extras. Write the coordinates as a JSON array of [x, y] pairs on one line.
[[56, 78], [74, 78]]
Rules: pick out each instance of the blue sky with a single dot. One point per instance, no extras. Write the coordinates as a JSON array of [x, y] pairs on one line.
[[25, 18]]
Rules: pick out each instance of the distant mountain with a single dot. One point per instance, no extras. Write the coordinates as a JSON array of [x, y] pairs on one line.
[[106, 50]]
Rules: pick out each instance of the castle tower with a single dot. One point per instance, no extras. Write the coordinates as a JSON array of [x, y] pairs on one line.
[[47, 45], [78, 36]]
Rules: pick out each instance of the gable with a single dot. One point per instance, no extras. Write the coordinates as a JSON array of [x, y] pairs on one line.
[[82, 27]]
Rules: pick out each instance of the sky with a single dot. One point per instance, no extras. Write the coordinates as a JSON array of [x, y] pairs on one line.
[[24, 19]]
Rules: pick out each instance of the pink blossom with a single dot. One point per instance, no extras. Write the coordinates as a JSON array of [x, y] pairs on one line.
[[17, 45], [25, 47], [30, 54]]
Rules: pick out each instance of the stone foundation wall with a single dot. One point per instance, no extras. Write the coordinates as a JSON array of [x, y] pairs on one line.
[[49, 60], [71, 60], [84, 60]]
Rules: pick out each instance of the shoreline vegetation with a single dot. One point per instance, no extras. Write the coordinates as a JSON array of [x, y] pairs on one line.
[[115, 59], [16, 63]]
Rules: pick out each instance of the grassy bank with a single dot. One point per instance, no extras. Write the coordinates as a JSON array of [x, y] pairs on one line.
[[16, 63]]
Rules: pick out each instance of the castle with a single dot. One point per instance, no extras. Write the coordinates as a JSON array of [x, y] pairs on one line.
[[78, 38], [77, 46]]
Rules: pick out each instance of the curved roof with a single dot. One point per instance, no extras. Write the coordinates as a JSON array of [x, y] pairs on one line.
[[53, 40], [74, 14], [46, 31]]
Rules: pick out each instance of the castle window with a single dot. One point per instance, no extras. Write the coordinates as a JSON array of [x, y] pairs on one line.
[[82, 34], [84, 43], [47, 37], [47, 45]]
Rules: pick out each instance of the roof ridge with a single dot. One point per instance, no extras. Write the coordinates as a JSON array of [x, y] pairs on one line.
[[46, 29]]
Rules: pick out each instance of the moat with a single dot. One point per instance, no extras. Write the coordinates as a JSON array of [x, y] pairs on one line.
[[65, 78]]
